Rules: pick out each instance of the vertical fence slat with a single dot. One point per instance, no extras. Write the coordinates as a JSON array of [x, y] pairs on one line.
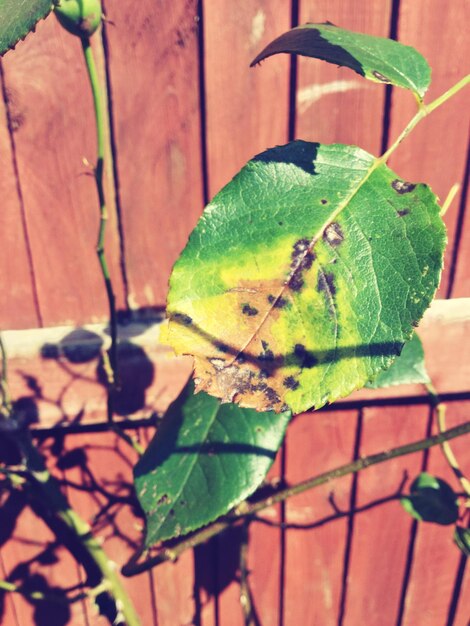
[[18, 308], [381, 532], [435, 153], [335, 104], [247, 109], [264, 562], [436, 558], [461, 286], [153, 68], [51, 101], [314, 557]]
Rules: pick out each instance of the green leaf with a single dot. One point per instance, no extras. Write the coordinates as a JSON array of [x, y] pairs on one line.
[[376, 58], [205, 458], [304, 277], [462, 539], [409, 368], [431, 500], [18, 18]]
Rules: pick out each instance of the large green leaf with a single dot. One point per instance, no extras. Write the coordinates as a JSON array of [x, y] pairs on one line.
[[431, 499], [304, 277], [205, 458], [376, 58], [18, 18], [409, 368]]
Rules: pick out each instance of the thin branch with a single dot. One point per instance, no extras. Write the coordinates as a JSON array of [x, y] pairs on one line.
[[245, 509], [450, 457], [59, 506], [110, 358], [5, 405]]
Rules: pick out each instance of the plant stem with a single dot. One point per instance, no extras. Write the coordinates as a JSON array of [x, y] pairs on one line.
[[249, 509], [5, 406], [102, 122], [57, 504], [424, 110], [449, 455], [110, 358]]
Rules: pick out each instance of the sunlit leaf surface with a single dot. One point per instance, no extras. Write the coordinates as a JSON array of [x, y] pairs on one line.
[[376, 58], [204, 460], [304, 277], [18, 18]]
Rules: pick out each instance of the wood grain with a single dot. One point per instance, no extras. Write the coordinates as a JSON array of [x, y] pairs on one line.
[[18, 307], [247, 109], [335, 104], [51, 104], [381, 532], [314, 557], [154, 82]]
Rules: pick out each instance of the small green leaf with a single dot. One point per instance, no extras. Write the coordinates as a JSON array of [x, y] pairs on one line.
[[462, 539], [18, 18], [376, 58], [205, 458], [304, 277], [409, 368], [431, 500]]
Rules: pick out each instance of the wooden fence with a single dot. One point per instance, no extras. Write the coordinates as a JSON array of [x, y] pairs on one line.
[[186, 114]]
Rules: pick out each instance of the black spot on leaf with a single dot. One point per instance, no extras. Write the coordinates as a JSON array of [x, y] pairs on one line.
[[291, 383], [326, 283], [296, 282], [403, 212], [249, 310], [401, 186], [163, 499], [278, 303], [324, 201]]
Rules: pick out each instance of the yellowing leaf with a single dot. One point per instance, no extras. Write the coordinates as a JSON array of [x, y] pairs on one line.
[[304, 277]]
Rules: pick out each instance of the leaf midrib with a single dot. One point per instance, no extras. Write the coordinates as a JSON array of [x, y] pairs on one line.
[[375, 164]]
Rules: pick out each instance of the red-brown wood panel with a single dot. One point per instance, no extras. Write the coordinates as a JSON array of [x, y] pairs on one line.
[[18, 307], [436, 151], [50, 101], [381, 533], [461, 286], [154, 77], [247, 109], [264, 560], [336, 104], [314, 557], [436, 558]]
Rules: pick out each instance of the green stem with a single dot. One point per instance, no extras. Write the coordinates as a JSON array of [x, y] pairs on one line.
[[249, 509], [440, 410], [102, 123], [57, 503], [423, 111], [110, 359]]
